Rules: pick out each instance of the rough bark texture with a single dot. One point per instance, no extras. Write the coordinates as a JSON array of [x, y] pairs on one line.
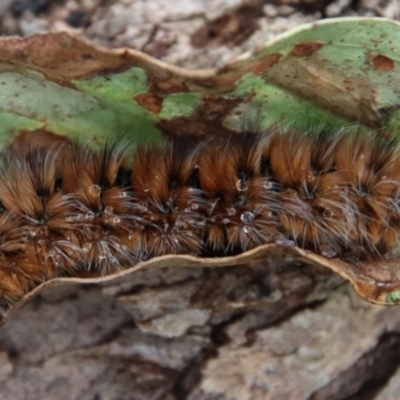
[[254, 332]]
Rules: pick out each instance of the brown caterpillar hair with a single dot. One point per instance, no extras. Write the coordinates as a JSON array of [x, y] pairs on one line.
[[78, 211]]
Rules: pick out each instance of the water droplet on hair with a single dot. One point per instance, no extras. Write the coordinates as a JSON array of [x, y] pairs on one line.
[[87, 247], [89, 215], [231, 211], [194, 206], [102, 256], [109, 210], [41, 242], [242, 185], [95, 190], [225, 221], [115, 220], [327, 213], [268, 185], [247, 217], [51, 253], [285, 243], [122, 195], [246, 229], [191, 190], [169, 202], [328, 253]]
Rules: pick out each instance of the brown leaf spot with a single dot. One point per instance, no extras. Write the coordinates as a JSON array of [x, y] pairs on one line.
[[208, 118], [160, 88], [265, 62], [164, 87], [150, 101], [305, 49], [382, 63], [25, 141]]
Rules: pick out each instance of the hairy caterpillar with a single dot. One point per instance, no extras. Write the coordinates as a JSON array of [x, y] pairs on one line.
[[72, 210]]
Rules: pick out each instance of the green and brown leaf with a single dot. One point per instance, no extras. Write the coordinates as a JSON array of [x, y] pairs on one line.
[[335, 72]]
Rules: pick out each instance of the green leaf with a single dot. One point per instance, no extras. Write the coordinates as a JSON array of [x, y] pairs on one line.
[[335, 72]]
